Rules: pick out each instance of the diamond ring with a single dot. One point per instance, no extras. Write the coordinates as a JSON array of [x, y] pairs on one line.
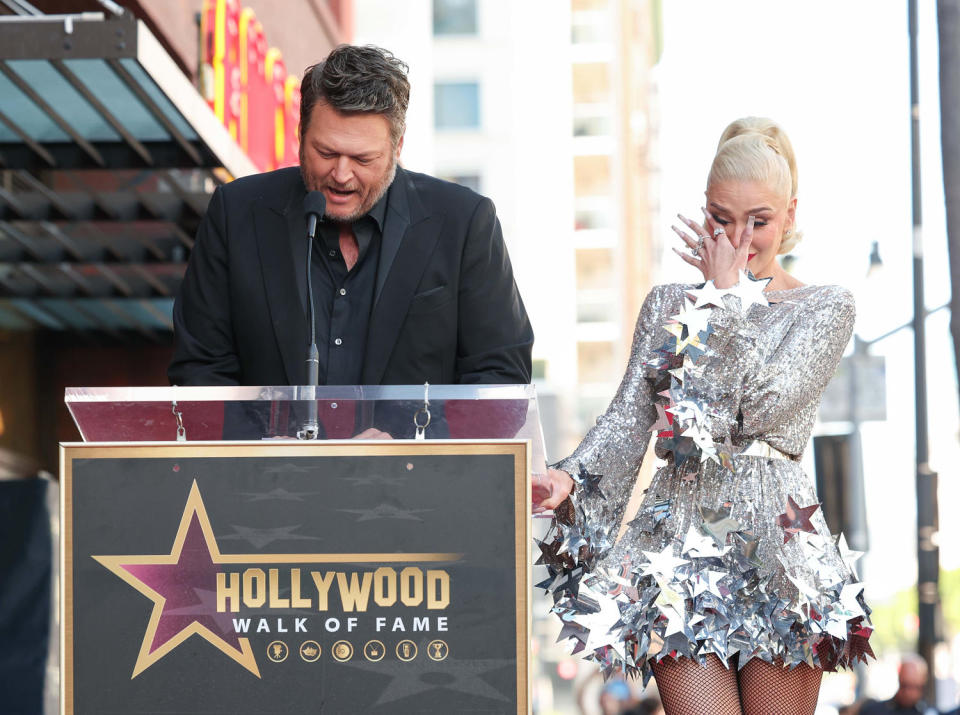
[[696, 251]]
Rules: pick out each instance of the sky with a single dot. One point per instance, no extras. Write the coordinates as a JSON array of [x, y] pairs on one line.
[[835, 75]]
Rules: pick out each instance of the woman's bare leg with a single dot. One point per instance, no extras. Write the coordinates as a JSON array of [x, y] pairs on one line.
[[771, 689], [688, 688]]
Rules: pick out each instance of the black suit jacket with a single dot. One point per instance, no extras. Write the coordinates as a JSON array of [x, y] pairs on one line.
[[446, 307]]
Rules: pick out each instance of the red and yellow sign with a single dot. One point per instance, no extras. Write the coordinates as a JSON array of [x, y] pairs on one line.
[[249, 89]]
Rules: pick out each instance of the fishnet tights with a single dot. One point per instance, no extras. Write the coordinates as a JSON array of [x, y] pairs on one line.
[[687, 688], [771, 689]]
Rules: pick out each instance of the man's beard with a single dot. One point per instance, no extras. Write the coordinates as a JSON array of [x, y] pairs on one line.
[[378, 192]]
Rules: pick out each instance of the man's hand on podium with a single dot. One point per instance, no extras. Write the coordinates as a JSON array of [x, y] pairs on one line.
[[372, 433]]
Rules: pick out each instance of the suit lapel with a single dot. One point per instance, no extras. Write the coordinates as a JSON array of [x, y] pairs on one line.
[[409, 238], [280, 229], [394, 227]]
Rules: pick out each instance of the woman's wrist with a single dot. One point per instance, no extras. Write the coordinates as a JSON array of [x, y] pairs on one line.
[[728, 280]]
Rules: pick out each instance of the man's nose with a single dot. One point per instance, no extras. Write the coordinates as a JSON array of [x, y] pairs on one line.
[[342, 170]]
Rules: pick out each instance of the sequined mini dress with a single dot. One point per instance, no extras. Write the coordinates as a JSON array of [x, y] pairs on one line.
[[729, 552]]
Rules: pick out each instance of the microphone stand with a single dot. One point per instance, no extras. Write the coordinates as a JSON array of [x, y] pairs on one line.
[[311, 427]]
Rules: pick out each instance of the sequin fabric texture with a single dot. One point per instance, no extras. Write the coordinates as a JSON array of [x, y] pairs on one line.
[[729, 552]]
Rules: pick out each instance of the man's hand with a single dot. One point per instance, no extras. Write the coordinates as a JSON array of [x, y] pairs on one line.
[[372, 433]]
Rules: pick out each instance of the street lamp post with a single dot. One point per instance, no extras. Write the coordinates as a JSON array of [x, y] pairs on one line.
[[928, 555]]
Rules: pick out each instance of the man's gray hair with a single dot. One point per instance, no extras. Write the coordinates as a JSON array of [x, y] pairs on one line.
[[366, 79]]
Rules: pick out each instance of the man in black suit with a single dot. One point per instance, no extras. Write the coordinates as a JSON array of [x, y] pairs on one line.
[[410, 274]]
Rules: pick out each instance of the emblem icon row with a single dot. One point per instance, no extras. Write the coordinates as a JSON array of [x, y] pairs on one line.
[[373, 650]]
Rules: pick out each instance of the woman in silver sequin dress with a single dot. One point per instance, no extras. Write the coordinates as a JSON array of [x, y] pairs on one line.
[[728, 586]]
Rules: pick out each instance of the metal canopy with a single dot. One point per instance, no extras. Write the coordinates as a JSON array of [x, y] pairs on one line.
[[108, 157]]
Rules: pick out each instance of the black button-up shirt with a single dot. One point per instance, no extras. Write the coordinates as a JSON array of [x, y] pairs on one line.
[[343, 299]]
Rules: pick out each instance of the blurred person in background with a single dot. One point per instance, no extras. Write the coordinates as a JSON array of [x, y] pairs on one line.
[[25, 584], [615, 695], [908, 700], [647, 706], [851, 709], [728, 568]]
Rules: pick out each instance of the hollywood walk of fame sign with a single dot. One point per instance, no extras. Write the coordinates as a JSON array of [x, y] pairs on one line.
[[383, 577]]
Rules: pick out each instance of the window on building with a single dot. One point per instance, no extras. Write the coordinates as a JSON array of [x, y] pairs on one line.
[[585, 219], [588, 409], [592, 175], [454, 17], [582, 5], [590, 26], [591, 82], [456, 105], [595, 269], [471, 181], [592, 126], [595, 312], [595, 362], [539, 369]]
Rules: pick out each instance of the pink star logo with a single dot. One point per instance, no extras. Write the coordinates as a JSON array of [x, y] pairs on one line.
[[181, 585]]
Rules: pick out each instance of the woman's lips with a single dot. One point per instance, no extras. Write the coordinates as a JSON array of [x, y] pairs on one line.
[[750, 256]]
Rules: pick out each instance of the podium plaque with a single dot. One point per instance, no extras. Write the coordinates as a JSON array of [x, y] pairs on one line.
[[295, 577]]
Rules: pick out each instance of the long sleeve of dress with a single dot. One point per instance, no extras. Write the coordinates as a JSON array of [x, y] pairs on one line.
[[616, 445]]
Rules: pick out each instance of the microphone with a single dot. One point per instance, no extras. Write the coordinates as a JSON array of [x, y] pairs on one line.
[[314, 206]]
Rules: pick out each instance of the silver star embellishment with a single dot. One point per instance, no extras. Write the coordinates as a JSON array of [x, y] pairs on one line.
[[695, 320], [750, 292], [677, 373], [688, 409], [718, 523], [700, 546], [704, 441], [675, 621], [668, 598], [708, 580], [601, 624], [708, 295], [836, 626], [725, 453], [573, 539], [849, 606], [663, 563], [848, 555]]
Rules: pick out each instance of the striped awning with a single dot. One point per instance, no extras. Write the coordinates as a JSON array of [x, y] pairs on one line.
[[108, 156]]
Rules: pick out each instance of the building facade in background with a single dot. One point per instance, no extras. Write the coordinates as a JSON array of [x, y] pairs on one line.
[[614, 46]]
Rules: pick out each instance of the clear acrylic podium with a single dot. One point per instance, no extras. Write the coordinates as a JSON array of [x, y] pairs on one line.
[[232, 413]]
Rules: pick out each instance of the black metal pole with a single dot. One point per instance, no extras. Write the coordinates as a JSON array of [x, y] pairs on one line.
[[928, 555]]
